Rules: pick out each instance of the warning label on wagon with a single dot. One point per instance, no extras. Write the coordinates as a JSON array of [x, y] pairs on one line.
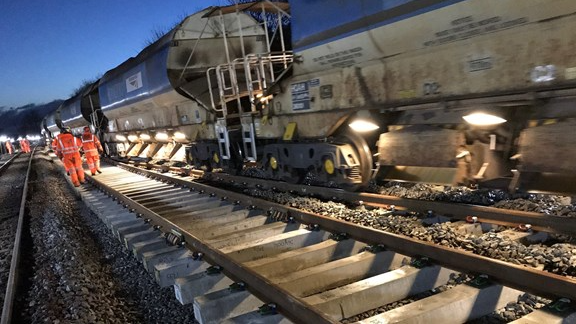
[[134, 82], [300, 96]]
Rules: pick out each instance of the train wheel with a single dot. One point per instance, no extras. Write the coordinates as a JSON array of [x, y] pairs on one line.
[[364, 154]]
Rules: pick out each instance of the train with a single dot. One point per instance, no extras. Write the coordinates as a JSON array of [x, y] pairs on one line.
[[345, 93]]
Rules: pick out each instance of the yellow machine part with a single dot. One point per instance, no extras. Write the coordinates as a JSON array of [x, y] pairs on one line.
[[329, 166], [290, 131]]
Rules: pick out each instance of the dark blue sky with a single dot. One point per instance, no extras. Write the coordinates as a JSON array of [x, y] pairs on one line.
[[48, 47]]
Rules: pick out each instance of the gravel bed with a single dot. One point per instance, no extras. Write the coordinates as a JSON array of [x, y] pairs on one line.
[[80, 273], [546, 204]]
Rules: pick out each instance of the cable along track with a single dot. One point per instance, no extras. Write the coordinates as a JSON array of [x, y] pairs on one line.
[[245, 256]]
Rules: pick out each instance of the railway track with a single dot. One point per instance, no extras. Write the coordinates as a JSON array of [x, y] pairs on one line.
[[13, 192], [536, 221], [6, 160], [238, 257]]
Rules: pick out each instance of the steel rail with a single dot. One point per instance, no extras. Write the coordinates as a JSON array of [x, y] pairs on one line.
[[541, 222], [7, 163], [520, 277], [11, 285]]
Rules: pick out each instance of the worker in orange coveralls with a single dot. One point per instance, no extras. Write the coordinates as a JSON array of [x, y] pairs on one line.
[[9, 147], [92, 149], [68, 149], [25, 146], [54, 146]]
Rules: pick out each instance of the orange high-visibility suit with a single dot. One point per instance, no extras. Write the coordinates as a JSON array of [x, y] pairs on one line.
[[54, 146], [68, 149], [26, 147], [91, 146], [9, 147]]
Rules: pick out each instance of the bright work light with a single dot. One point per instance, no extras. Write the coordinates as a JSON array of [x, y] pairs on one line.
[[483, 119]]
